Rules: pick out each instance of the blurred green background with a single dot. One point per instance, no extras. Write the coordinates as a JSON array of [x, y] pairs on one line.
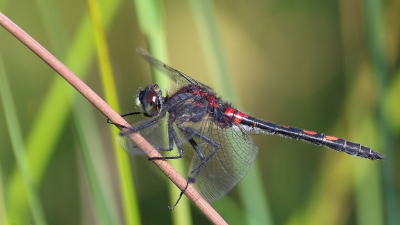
[[329, 66]]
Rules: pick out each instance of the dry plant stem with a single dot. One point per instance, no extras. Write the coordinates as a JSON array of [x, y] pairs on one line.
[[104, 108]]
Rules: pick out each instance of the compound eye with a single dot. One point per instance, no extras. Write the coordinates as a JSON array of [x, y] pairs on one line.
[[150, 97], [149, 102]]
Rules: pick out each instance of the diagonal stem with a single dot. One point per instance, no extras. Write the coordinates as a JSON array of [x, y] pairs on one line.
[[110, 113]]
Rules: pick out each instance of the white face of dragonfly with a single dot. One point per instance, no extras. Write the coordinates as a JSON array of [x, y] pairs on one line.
[[149, 100]]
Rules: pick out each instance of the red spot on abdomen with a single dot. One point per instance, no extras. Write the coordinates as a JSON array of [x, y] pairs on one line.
[[331, 138], [235, 114], [309, 132], [286, 127], [240, 116]]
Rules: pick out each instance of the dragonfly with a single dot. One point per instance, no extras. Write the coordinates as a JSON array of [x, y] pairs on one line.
[[192, 115]]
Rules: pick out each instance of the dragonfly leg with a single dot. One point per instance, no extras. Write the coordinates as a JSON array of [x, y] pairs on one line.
[[195, 172], [196, 148], [172, 137], [123, 115], [204, 160]]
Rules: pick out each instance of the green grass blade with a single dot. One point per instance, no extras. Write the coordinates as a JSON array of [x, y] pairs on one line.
[[151, 24], [3, 207], [234, 214], [255, 201], [204, 15], [18, 147], [372, 201], [55, 27], [363, 128], [254, 198], [132, 215], [391, 110], [56, 107], [95, 163], [392, 105]]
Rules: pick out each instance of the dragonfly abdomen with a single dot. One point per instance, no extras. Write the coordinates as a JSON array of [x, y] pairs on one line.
[[316, 138]]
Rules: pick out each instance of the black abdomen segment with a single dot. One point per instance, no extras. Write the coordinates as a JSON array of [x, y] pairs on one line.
[[331, 142]]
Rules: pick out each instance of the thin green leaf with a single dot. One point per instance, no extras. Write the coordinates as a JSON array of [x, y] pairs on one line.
[[95, 163], [369, 200], [18, 147], [3, 212], [132, 215]]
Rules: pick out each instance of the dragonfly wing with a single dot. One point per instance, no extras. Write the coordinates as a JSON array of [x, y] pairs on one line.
[[231, 162], [179, 78]]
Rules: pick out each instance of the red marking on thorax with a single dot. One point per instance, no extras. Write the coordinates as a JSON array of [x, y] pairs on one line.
[[286, 127], [331, 138], [309, 132], [213, 102], [211, 98]]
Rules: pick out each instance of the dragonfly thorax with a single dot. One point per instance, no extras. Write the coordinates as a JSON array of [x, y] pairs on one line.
[[149, 100]]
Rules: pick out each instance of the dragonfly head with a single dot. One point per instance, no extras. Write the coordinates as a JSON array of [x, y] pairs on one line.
[[149, 100]]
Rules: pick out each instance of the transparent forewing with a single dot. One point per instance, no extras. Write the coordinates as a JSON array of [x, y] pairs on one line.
[[229, 164], [180, 79]]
